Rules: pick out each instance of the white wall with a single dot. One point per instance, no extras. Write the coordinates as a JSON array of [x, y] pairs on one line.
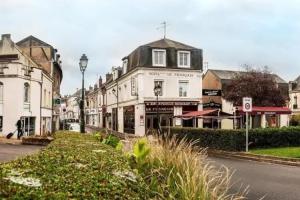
[[13, 93], [284, 120], [144, 81]]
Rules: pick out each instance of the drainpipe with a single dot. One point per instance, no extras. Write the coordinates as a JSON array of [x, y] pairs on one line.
[[41, 91], [117, 125]]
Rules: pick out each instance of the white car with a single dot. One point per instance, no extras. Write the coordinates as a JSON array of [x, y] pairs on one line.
[[74, 127]]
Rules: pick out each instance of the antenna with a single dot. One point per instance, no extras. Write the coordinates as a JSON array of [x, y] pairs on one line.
[[164, 26], [205, 65]]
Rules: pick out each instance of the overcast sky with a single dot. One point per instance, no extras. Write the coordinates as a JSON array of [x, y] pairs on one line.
[[230, 32]]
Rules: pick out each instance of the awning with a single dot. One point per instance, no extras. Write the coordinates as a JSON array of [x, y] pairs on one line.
[[198, 113], [207, 114], [267, 110]]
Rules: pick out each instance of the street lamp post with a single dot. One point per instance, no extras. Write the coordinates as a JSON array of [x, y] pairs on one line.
[[82, 64], [116, 93], [157, 91]]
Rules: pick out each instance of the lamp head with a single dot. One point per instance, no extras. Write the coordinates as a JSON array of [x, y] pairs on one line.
[[83, 62], [157, 89]]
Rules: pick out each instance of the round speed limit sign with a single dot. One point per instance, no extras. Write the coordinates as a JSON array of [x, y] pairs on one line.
[[247, 104]]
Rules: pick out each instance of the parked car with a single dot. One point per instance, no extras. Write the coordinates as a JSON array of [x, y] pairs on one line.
[[74, 127]]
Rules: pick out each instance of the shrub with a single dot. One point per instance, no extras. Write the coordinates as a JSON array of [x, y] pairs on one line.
[[73, 166], [172, 169], [234, 140], [111, 140]]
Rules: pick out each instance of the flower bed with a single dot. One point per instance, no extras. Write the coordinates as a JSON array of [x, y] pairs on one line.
[[73, 166]]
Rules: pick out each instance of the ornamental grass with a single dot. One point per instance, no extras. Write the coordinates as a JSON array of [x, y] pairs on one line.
[[174, 169]]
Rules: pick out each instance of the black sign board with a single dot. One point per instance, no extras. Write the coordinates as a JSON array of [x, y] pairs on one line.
[[206, 92], [172, 103], [212, 105]]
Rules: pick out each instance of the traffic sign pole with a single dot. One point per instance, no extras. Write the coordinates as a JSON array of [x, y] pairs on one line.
[[247, 130], [247, 107]]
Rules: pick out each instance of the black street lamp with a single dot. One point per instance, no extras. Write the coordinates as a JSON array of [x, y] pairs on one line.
[[82, 64], [157, 92], [116, 93]]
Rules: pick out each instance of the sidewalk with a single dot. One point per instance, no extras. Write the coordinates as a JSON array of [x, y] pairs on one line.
[[255, 157], [3, 140]]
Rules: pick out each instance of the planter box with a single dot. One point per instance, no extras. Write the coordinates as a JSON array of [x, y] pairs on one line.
[[36, 140]]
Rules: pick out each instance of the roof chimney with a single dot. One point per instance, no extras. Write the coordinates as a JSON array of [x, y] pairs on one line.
[[5, 36], [100, 81], [108, 76]]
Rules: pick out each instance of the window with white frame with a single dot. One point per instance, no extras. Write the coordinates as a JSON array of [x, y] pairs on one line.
[[183, 88], [45, 98], [49, 99], [159, 57], [159, 83], [184, 59], [133, 87], [26, 93]]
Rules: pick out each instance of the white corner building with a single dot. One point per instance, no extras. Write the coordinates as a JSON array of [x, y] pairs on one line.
[[25, 91], [131, 104]]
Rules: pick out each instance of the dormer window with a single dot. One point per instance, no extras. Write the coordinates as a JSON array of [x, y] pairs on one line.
[[125, 63], [159, 57], [184, 59]]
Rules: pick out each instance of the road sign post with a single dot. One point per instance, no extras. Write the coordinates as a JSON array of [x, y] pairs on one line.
[[247, 107]]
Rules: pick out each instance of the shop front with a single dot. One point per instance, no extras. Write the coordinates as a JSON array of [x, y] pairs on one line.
[[129, 119], [163, 113], [266, 117]]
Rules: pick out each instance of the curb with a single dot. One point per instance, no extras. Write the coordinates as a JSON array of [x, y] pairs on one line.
[[255, 157]]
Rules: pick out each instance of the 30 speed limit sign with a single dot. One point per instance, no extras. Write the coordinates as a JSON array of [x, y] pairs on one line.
[[247, 104]]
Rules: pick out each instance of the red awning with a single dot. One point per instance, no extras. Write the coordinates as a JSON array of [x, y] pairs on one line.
[[267, 110], [198, 113]]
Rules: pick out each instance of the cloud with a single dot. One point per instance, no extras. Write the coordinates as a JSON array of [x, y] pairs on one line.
[[231, 32]]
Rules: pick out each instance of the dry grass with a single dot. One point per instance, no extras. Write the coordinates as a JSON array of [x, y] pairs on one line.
[[179, 171]]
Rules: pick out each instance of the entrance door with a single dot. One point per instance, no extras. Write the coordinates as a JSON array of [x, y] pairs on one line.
[[28, 124], [152, 121], [114, 119], [129, 119]]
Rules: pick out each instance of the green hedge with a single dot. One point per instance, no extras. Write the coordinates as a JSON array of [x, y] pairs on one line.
[[73, 166], [234, 140]]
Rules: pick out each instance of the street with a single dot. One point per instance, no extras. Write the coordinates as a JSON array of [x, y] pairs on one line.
[[10, 152], [275, 182]]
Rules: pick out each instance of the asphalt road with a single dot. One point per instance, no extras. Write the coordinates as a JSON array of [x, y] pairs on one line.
[[10, 152], [271, 181]]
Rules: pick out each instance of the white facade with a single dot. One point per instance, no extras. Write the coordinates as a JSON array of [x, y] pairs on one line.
[[136, 89], [23, 83], [294, 103]]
